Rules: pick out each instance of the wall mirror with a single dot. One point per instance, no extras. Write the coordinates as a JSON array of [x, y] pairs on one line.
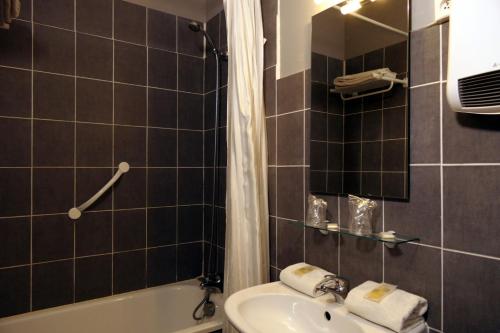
[[359, 100]]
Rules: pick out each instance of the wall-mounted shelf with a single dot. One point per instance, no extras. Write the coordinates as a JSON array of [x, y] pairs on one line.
[[390, 243]]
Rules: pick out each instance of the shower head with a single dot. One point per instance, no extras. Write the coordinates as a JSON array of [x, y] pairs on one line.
[[194, 26]]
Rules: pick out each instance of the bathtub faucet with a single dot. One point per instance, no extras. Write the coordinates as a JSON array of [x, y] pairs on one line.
[[211, 281]]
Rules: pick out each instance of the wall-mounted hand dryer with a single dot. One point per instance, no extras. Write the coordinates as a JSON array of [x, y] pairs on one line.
[[473, 83]]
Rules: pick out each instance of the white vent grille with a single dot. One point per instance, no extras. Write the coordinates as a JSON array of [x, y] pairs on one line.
[[480, 90]]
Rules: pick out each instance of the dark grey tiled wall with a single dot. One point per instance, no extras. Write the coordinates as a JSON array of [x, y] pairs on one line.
[[78, 94], [453, 205]]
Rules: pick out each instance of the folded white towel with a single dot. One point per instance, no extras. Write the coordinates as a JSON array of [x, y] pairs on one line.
[[363, 81], [304, 278], [398, 311]]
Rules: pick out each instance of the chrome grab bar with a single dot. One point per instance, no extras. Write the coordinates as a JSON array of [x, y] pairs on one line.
[[76, 212]]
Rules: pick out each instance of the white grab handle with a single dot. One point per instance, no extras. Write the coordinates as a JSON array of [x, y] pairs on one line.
[[75, 212]]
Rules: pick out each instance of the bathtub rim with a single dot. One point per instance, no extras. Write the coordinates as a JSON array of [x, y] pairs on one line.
[[112, 299]]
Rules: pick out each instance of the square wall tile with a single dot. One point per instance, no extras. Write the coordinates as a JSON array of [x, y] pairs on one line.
[[162, 147], [190, 149], [16, 45], [93, 145], [425, 124], [290, 192], [130, 22], [129, 271], [94, 101], [162, 224], [130, 145], [15, 235], [190, 186], [93, 234], [425, 55], [129, 230], [290, 139], [374, 60], [162, 69], [54, 50], [417, 269], [190, 111], [94, 57], [290, 243], [130, 105], [58, 13], [396, 57], [53, 96], [479, 305], [190, 74], [354, 65], [52, 190], [270, 91], [162, 108], [15, 92], [394, 184], [93, 277], [271, 140], [94, 17], [130, 191], [291, 93], [52, 284], [189, 260], [394, 155], [470, 208], [15, 192], [15, 291], [189, 42], [394, 123], [15, 142], [130, 63], [269, 14], [360, 260], [162, 187], [53, 143], [161, 265], [52, 238], [162, 30], [190, 224], [421, 215], [322, 250]]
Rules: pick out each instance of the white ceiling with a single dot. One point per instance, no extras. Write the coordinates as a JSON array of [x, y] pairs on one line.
[[200, 10]]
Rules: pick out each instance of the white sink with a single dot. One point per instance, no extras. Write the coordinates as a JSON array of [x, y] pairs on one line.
[[276, 308]]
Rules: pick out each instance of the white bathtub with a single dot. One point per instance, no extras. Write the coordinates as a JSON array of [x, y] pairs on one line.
[[163, 309]]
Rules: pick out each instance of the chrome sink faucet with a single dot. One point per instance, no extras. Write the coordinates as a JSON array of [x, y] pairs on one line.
[[337, 286]]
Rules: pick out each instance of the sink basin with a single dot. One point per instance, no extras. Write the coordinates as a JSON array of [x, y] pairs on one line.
[[275, 307]]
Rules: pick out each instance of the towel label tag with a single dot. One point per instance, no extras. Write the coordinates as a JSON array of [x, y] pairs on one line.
[[304, 270], [380, 292]]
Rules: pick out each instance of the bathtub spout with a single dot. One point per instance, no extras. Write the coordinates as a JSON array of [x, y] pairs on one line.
[[212, 281]]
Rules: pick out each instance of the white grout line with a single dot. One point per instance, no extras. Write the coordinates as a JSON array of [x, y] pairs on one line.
[[74, 150], [113, 153], [101, 80], [32, 156], [147, 145], [177, 153], [441, 169]]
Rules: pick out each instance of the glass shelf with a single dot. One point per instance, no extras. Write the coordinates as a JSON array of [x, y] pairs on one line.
[[390, 243]]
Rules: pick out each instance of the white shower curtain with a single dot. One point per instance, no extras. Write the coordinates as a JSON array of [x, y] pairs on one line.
[[247, 221]]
